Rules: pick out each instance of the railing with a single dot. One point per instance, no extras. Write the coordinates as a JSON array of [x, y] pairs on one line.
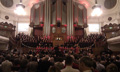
[[115, 34]]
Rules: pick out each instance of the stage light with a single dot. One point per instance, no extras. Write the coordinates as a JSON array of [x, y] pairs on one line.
[[96, 10], [20, 9]]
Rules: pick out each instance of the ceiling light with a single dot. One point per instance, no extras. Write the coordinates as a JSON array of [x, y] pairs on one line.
[[96, 9], [20, 9]]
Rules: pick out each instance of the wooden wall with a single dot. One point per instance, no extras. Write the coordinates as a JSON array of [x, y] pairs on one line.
[[38, 31]]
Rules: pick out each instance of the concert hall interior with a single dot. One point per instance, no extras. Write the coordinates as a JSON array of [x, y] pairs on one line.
[[59, 36]]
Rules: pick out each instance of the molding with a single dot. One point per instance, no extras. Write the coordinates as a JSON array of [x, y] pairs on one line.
[[115, 16]]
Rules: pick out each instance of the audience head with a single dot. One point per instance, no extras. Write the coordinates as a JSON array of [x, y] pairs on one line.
[[86, 63], [23, 63], [111, 68], [46, 58], [68, 60], [34, 59], [52, 59], [53, 69]]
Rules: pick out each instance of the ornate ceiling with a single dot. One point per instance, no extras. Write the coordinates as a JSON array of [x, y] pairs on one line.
[[108, 6]]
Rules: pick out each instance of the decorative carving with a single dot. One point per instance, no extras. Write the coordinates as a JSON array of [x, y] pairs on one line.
[[109, 18], [111, 30], [7, 29], [7, 26], [6, 17]]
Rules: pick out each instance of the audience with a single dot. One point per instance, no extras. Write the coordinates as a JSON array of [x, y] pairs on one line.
[[39, 41], [58, 59], [86, 64], [42, 61], [32, 41]]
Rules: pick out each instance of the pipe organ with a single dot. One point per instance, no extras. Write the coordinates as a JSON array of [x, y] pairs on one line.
[[58, 19]]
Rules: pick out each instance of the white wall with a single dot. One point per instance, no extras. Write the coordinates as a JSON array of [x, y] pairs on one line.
[[103, 20], [14, 19]]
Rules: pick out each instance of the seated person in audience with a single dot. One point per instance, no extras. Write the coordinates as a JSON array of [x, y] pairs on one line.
[[59, 63], [53, 69], [44, 64], [6, 65], [68, 63], [32, 65], [100, 67], [23, 65], [111, 68], [86, 64], [16, 64]]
